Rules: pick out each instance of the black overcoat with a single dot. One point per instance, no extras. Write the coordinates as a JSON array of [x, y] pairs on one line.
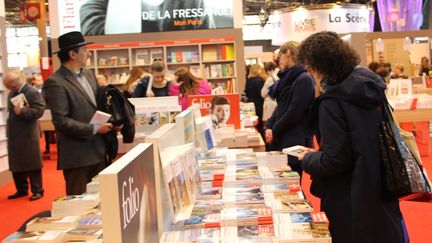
[[294, 94], [23, 132], [346, 171]]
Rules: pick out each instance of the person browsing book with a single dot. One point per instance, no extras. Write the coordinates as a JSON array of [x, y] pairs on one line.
[[159, 84], [188, 84], [25, 107], [71, 93], [294, 93], [347, 172]]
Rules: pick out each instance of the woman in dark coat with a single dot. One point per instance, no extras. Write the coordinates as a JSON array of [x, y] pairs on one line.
[[294, 94], [254, 84], [346, 171]]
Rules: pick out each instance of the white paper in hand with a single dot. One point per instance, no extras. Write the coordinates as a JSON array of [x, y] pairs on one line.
[[297, 150], [150, 85], [99, 117], [19, 101]]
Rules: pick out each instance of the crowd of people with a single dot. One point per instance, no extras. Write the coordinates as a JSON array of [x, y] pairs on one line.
[[344, 119]]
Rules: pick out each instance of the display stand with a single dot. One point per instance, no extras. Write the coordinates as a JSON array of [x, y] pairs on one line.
[[127, 191], [5, 175], [413, 115], [166, 136]]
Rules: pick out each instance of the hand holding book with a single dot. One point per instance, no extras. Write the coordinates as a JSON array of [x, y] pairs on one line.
[[298, 151]]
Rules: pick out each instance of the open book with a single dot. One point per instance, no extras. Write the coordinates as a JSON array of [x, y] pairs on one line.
[[19, 101], [297, 150]]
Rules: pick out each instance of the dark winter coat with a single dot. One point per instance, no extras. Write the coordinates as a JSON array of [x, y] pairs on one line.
[[23, 132], [112, 101], [141, 88], [346, 171], [253, 94], [294, 93]]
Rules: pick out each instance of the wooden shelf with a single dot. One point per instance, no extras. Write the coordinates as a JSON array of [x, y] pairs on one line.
[[219, 78], [413, 115], [218, 61], [141, 65], [184, 63], [107, 67]]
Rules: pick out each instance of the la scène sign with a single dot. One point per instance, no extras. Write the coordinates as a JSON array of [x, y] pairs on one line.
[[300, 23]]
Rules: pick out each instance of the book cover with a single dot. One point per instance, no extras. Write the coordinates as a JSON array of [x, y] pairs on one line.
[[224, 109], [156, 54], [142, 57], [19, 101], [297, 150], [100, 117], [209, 53]]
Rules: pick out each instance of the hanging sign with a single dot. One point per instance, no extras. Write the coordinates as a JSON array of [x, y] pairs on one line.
[[300, 23]]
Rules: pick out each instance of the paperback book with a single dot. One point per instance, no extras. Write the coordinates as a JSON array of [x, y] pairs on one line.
[[52, 223], [251, 233], [297, 150]]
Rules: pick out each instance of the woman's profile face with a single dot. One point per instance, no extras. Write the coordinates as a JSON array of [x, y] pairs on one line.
[[222, 112]]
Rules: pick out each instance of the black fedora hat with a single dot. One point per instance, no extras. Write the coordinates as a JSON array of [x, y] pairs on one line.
[[71, 40]]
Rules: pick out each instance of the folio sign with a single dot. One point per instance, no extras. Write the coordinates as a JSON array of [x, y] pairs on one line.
[[300, 23]]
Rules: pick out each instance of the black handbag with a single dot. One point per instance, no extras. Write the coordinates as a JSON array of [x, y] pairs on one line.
[[402, 174]]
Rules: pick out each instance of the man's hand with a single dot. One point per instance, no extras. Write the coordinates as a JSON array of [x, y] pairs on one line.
[[118, 128], [269, 135], [17, 110], [104, 128]]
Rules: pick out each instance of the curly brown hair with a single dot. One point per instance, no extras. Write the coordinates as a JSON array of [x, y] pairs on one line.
[[327, 54]]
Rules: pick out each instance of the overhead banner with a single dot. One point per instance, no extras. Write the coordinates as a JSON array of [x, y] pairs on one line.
[[300, 23], [100, 17]]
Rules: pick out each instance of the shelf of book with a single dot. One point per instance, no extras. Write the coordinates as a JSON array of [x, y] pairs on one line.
[[218, 61], [4, 166], [107, 67], [211, 59], [183, 63]]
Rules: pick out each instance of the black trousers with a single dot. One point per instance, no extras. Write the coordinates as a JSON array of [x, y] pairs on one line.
[[21, 183], [47, 135], [77, 178]]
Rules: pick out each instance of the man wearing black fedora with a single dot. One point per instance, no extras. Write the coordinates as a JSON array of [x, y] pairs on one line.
[[71, 96]]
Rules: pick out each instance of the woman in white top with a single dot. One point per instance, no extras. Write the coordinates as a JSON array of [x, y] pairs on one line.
[[269, 103]]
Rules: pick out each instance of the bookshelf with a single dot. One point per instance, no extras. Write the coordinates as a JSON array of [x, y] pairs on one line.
[[210, 59], [5, 175]]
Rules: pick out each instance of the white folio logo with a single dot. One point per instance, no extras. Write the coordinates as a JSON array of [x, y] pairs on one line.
[[130, 201]]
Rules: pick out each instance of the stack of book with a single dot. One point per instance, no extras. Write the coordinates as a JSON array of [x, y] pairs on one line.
[[74, 205], [83, 235], [33, 237], [52, 223], [251, 197]]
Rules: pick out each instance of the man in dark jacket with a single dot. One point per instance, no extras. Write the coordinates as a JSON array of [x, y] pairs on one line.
[[294, 93], [71, 95], [23, 135]]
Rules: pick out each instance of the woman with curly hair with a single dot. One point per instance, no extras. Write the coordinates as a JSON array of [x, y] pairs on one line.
[[346, 171]]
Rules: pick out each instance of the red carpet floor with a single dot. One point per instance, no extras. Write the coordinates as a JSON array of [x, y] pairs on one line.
[[14, 212]]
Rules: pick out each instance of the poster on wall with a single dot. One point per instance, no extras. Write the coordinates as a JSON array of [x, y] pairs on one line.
[[101, 17], [224, 109]]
